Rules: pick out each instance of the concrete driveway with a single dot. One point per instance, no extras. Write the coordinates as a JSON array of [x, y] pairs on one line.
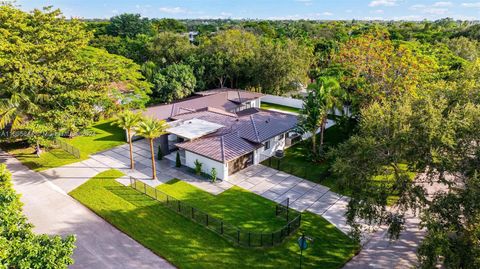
[[52, 211]]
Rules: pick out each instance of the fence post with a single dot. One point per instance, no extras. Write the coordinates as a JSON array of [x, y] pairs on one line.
[[131, 181], [207, 219], [179, 206], [156, 194], [288, 207], [144, 188], [193, 212], [167, 199], [221, 227]]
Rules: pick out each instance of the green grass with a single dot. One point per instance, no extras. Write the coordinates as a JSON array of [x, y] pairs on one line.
[[280, 107], [104, 137], [297, 161], [234, 206], [189, 245]]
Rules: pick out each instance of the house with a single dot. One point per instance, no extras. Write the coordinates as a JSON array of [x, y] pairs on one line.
[[223, 129]]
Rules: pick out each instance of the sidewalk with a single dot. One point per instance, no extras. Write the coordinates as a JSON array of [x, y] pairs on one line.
[[52, 211]]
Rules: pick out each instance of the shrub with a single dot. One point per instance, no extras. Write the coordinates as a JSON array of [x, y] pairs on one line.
[[178, 161], [213, 174], [19, 246], [198, 167], [160, 153]]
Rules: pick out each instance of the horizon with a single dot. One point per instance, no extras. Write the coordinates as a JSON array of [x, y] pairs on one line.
[[292, 10]]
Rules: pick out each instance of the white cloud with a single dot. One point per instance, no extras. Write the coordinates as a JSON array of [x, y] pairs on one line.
[[225, 14], [349, 11], [326, 13], [474, 4], [442, 4], [172, 10], [385, 3], [305, 2], [408, 18], [429, 9], [378, 11]]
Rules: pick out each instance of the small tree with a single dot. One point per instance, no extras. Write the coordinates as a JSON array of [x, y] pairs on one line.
[[178, 161], [213, 174], [151, 129], [128, 121], [160, 153], [198, 167], [323, 97]]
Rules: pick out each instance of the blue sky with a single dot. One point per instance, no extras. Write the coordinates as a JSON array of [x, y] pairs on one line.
[[267, 9]]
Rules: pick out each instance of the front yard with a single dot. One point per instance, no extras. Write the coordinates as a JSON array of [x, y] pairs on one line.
[[104, 136], [189, 245]]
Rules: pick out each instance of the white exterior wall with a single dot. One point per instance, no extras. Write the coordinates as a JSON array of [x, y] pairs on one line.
[[207, 164], [275, 144], [284, 101]]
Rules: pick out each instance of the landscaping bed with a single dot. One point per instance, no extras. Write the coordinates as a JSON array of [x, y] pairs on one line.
[[186, 244]]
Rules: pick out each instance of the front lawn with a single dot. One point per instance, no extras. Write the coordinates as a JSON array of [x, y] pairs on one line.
[[189, 245], [103, 136], [234, 206]]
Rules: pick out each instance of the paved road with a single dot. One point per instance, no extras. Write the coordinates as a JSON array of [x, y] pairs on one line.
[[52, 211], [380, 252]]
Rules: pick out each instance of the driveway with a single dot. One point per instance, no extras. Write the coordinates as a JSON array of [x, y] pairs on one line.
[[52, 211]]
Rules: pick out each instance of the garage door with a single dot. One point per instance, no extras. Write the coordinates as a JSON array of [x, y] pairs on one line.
[[240, 163]]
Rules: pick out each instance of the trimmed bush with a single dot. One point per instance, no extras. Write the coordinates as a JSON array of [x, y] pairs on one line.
[[198, 167], [213, 174], [178, 161]]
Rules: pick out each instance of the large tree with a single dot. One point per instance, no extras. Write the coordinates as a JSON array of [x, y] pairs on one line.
[[129, 25], [19, 246], [436, 136], [376, 68], [50, 75], [173, 82]]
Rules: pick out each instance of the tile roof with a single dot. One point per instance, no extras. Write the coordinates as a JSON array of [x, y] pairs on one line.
[[242, 134], [222, 148]]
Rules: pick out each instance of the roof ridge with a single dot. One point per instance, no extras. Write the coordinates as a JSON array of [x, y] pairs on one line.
[[254, 128], [222, 148]]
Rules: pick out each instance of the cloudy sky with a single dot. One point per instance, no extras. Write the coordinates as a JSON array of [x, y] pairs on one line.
[[267, 9]]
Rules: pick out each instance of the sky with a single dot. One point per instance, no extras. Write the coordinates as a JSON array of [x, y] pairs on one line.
[[267, 9]]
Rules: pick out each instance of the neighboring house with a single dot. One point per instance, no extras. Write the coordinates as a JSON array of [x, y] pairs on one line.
[[223, 129]]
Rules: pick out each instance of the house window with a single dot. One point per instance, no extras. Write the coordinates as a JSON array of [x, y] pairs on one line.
[[267, 145], [280, 137]]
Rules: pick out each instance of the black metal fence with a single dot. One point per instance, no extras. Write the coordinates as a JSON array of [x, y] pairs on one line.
[[68, 148], [230, 232]]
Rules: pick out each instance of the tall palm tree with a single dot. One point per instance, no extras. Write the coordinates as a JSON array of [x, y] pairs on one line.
[[128, 121], [151, 129], [323, 97]]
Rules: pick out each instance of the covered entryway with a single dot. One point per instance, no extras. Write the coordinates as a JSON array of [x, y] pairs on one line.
[[240, 163]]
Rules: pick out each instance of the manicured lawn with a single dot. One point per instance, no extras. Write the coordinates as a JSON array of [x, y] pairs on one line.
[[104, 136], [49, 159], [297, 161], [234, 206], [189, 245], [280, 107]]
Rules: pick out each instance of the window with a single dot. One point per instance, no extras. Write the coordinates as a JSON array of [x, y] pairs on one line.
[[267, 145], [280, 137]]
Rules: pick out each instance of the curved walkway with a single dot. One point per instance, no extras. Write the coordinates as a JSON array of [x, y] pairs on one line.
[[52, 211]]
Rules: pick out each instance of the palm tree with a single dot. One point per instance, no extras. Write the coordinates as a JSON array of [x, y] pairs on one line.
[[151, 129], [128, 121], [323, 97]]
